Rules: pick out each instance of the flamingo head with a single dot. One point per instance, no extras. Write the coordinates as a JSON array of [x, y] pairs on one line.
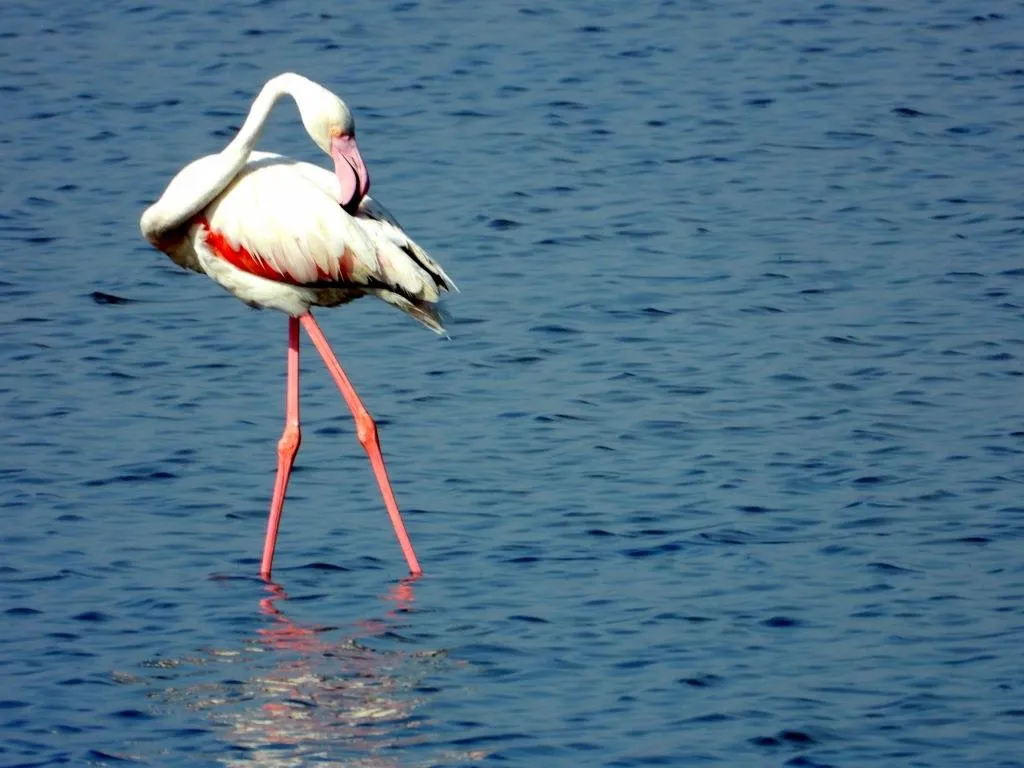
[[350, 170], [329, 122]]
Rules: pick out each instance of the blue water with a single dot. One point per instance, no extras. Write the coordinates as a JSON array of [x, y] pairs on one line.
[[723, 465]]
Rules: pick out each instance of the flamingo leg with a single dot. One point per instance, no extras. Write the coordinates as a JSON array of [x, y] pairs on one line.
[[366, 431], [287, 447]]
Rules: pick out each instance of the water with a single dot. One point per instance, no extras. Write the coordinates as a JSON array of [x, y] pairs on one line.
[[723, 465]]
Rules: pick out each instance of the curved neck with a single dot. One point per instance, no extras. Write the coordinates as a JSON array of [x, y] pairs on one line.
[[244, 141], [200, 182]]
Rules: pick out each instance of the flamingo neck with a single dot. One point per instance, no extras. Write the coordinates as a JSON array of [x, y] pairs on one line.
[[245, 140], [199, 183]]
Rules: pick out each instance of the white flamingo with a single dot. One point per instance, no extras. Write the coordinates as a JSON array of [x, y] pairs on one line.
[[288, 235]]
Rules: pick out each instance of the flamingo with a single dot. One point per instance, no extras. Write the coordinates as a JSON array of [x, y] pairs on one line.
[[288, 235]]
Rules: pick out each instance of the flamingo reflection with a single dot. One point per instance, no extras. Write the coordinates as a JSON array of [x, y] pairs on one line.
[[314, 699], [327, 697]]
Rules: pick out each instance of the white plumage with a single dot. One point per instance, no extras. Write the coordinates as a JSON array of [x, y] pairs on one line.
[[297, 245], [285, 213], [288, 235]]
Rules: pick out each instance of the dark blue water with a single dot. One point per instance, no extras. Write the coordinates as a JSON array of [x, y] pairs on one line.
[[723, 466]]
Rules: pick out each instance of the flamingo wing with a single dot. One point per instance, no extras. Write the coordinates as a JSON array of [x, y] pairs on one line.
[[280, 219], [383, 227], [273, 223]]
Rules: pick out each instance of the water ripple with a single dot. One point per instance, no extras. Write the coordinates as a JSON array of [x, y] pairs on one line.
[[721, 466]]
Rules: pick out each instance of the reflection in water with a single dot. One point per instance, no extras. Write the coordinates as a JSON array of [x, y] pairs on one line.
[[313, 699], [323, 694]]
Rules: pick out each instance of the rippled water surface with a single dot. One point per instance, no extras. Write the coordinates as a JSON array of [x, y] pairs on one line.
[[723, 465]]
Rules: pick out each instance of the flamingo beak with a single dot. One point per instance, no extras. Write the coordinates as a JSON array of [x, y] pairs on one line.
[[351, 172]]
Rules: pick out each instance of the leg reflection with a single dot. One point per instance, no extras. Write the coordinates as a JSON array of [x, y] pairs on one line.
[[317, 696]]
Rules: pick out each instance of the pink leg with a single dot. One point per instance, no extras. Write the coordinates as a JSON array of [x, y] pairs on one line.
[[287, 447], [366, 431]]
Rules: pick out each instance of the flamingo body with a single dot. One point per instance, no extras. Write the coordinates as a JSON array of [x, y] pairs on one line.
[[287, 235], [277, 238]]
